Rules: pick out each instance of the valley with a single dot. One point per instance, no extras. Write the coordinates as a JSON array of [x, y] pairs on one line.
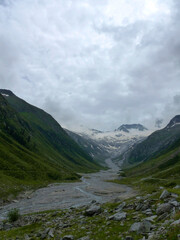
[[59, 184], [93, 187]]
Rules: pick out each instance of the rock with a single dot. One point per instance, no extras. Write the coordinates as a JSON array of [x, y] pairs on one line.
[[163, 216], [139, 206], [177, 187], [120, 207], [141, 227], [178, 237], [135, 226], [118, 216], [144, 227], [84, 238], [51, 233], [151, 219], [164, 208], [175, 222], [93, 210], [165, 194], [129, 238], [174, 203], [68, 237]]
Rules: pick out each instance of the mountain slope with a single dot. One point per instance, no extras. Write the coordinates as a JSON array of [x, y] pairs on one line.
[[101, 145], [34, 147], [156, 143], [161, 171]]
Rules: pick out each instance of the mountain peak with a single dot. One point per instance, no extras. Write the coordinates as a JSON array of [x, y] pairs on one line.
[[127, 127], [174, 121], [6, 92]]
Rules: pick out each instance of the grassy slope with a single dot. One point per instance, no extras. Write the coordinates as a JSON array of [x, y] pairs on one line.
[[161, 171], [154, 145], [35, 150]]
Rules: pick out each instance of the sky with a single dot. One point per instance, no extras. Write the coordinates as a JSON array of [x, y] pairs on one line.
[[96, 64]]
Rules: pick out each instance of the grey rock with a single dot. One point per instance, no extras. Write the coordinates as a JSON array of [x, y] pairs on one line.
[[135, 226], [144, 227], [165, 194], [51, 233], [175, 222], [163, 216], [178, 237], [174, 203], [93, 210], [164, 208], [151, 219], [139, 206], [68, 237], [84, 238], [118, 216], [141, 227], [120, 207], [177, 187], [129, 238]]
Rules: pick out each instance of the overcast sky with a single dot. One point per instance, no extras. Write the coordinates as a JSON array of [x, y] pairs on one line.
[[96, 63]]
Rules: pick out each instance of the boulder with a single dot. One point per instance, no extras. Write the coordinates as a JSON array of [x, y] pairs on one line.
[[141, 227], [93, 210], [135, 226], [177, 222], [68, 237], [118, 216], [164, 208], [165, 194], [120, 207]]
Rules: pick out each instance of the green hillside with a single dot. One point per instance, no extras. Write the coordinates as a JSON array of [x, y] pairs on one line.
[[163, 170], [156, 143], [34, 149]]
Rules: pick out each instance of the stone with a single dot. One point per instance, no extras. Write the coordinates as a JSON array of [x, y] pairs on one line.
[[174, 203], [139, 206], [177, 222], [120, 207], [163, 216], [164, 208], [151, 219], [178, 237], [135, 226], [141, 227], [84, 238], [68, 237], [145, 227], [118, 216], [51, 233], [177, 187], [165, 194], [93, 210], [129, 238]]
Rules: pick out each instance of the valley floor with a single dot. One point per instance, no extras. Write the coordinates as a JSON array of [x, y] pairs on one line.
[[94, 186]]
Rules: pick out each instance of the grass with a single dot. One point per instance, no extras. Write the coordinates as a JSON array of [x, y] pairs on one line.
[[35, 150]]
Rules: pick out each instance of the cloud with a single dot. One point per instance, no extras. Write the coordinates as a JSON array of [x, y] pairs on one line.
[[96, 63]]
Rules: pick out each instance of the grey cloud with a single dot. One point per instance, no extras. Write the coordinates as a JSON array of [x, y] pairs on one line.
[[85, 66]]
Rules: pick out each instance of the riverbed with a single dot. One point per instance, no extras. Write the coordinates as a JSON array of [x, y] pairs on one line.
[[93, 186]]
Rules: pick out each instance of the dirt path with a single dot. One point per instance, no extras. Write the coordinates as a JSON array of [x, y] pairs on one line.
[[93, 186]]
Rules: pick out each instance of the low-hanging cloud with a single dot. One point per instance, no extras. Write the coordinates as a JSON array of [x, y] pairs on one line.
[[96, 63]]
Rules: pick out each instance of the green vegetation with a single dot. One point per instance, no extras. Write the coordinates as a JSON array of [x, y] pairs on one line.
[[35, 150], [162, 171], [13, 215]]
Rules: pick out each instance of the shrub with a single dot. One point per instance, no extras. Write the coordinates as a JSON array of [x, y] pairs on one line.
[[13, 215]]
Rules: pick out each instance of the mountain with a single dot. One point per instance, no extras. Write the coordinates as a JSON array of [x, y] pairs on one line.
[[101, 145], [128, 127], [34, 148], [156, 143]]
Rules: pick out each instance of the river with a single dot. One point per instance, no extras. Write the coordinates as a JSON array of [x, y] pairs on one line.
[[93, 186]]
